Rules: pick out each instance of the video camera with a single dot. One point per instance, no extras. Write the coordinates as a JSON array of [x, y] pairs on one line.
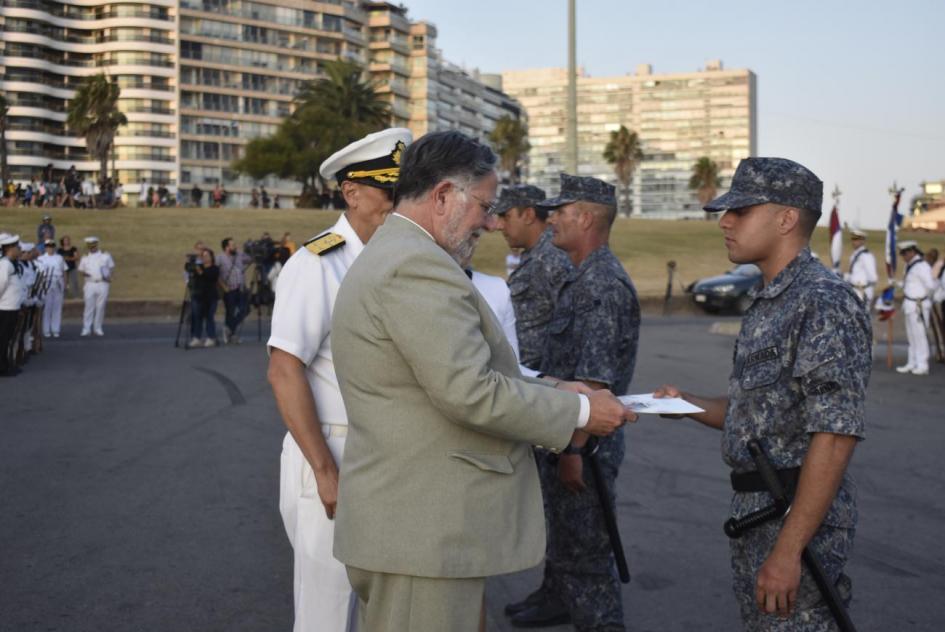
[[261, 250], [191, 262]]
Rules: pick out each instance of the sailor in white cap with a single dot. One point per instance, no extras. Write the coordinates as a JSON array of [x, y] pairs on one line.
[[10, 300], [55, 266], [917, 288], [862, 271], [96, 268], [303, 380]]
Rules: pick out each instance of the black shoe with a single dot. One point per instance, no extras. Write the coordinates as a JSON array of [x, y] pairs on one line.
[[542, 616], [534, 599]]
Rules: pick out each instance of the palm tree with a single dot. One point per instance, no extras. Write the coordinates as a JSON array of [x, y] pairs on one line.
[[625, 152], [4, 108], [509, 138], [705, 180], [343, 92], [93, 113]]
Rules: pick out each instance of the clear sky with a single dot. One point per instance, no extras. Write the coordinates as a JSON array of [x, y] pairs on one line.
[[854, 90]]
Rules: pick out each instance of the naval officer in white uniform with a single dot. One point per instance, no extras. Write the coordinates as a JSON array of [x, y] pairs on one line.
[[55, 266], [917, 288], [96, 269], [303, 380], [862, 273]]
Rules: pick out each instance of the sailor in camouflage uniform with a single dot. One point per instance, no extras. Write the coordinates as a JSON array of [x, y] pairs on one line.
[[534, 284], [801, 367], [592, 337]]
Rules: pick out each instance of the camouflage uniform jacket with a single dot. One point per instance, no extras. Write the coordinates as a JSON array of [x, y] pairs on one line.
[[802, 363], [534, 286], [595, 329]]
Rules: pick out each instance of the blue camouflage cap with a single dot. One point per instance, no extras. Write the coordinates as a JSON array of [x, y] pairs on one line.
[[519, 196], [582, 189], [774, 180]]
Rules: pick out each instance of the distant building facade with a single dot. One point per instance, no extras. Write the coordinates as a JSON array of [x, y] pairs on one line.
[[201, 78], [48, 47], [679, 118]]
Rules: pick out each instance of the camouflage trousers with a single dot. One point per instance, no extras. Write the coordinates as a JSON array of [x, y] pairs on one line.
[[831, 545], [580, 571]]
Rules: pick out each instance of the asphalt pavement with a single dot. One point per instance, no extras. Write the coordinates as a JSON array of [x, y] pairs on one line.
[[140, 481]]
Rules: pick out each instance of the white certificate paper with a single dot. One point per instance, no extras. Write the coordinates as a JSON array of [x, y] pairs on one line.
[[646, 403]]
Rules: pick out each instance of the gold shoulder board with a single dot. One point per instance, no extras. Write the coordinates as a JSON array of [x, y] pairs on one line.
[[325, 243]]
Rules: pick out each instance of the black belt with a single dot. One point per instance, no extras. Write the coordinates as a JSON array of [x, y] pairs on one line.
[[752, 482]]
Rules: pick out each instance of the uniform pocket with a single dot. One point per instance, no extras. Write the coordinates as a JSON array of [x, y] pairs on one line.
[[762, 374], [498, 463], [559, 325]]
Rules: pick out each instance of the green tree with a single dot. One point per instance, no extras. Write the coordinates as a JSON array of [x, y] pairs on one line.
[[344, 91], [705, 180], [625, 152], [4, 109], [509, 138], [330, 112], [93, 113]]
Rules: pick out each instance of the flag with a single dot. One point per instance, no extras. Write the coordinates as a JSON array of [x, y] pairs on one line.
[[836, 239], [895, 219], [885, 304]]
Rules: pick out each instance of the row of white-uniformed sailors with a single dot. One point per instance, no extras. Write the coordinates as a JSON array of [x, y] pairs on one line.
[[920, 291], [32, 288]]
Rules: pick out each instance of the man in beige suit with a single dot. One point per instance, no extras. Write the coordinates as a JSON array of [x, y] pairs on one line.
[[438, 486]]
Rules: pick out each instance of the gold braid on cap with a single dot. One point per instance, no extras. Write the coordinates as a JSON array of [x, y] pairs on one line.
[[387, 174]]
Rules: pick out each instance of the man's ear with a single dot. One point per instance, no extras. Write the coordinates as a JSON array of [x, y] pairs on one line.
[[788, 220], [586, 218], [440, 196], [350, 192], [528, 215]]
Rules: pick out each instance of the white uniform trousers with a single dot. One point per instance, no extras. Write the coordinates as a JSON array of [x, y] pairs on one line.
[[96, 294], [916, 334], [324, 600], [52, 314]]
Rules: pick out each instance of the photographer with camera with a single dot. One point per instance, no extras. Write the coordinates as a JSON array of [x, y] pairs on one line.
[[204, 277], [232, 280]]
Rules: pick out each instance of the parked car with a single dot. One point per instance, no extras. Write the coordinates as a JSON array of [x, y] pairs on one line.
[[727, 291]]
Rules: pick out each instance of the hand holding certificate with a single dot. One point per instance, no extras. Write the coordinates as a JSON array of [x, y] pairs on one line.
[[648, 404]]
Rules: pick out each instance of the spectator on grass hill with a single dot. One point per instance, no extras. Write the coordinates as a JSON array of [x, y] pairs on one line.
[[45, 230]]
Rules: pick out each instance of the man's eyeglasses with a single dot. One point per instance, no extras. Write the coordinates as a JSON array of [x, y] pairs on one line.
[[489, 208]]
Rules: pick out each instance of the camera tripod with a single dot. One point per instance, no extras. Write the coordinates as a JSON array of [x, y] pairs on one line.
[[184, 313], [259, 295]]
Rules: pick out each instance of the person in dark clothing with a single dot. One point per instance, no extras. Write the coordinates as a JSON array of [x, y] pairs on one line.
[[203, 297]]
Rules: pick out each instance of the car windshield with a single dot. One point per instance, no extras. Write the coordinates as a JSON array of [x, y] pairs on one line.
[[746, 270]]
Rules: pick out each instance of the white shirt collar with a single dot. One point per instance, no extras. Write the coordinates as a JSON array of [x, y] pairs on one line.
[[415, 224]]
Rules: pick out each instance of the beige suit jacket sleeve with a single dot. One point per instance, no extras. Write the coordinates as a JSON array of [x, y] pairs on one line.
[[433, 318]]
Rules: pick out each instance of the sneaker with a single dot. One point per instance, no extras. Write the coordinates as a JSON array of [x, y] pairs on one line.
[[905, 368], [226, 335], [99, 333], [209, 342], [194, 342], [924, 371], [85, 332], [55, 335]]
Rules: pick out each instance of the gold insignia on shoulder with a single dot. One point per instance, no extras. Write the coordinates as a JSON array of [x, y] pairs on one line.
[[325, 243]]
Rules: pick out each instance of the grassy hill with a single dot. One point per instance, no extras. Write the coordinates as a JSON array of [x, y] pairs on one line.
[[148, 245]]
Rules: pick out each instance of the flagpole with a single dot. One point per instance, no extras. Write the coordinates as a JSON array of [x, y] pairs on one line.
[[894, 220]]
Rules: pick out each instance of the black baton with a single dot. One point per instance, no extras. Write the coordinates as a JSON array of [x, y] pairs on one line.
[[610, 520], [827, 589]]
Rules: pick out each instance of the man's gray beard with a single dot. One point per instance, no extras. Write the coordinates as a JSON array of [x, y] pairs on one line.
[[459, 248]]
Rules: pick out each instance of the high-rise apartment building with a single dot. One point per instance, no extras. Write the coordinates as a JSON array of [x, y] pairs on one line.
[[241, 64], [201, 78], [48, 47], [679, 118]]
